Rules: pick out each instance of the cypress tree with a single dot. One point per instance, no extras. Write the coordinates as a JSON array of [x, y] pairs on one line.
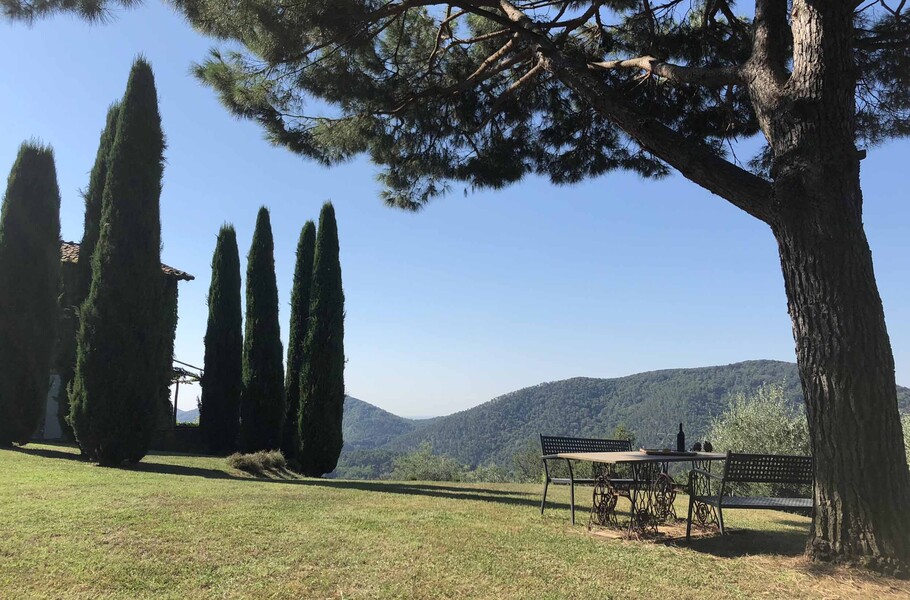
[[94, 197], [219, 407], [262, 406], [300, 313], [29, 276], [72, 299], [121, 361], [322, 373]]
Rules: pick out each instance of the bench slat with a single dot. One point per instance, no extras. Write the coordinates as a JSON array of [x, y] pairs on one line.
[[756, 502]]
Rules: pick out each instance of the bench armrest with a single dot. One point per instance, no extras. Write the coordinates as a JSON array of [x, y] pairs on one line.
[[695, 472]]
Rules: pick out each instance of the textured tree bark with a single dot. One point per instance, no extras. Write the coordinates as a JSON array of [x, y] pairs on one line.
[[862, 490]]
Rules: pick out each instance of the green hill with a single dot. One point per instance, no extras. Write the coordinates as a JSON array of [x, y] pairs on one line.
[[366, 426], [650, 404]]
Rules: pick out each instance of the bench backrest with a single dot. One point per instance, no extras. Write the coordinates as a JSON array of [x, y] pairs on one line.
[[769, 468], [550, 444]]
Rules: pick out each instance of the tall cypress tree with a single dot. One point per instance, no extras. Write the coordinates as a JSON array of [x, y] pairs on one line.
[[322, 373], [262, 406], [300, 314], [94, 198], [72, 299], [219, 407], [29, 276], [122, 363]]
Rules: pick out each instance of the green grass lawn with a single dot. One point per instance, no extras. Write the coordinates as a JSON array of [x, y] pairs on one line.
[[191, 527]]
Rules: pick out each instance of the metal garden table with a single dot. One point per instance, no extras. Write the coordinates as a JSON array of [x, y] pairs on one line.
[[652, 491]]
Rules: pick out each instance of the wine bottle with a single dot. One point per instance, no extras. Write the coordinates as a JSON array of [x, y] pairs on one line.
[[680, 440]]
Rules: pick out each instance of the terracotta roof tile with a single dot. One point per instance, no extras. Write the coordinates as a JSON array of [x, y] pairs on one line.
[[69, 253]]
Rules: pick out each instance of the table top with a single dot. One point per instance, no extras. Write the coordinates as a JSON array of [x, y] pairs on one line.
[[637, 456]]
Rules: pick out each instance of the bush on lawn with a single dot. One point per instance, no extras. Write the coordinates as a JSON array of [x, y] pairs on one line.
[[258, 463], [423, 465]]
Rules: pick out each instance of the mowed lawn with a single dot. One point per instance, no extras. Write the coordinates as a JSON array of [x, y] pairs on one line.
[[191, 527]]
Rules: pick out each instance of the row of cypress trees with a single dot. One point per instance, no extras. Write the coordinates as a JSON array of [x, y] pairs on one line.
[[256, 406], [120, 363]]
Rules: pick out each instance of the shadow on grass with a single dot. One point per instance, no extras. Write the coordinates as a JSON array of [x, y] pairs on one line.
[[48, 453], [742, 542], [287, 478], [425, 489]]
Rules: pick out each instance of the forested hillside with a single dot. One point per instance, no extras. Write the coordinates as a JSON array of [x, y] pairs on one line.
[[366, 426], [650, 404]]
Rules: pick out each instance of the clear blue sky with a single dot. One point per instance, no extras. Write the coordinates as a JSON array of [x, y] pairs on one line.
[[475, 296]]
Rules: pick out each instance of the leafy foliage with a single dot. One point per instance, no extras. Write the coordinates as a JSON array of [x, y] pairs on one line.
[[29, 276], [423, 465], [300, 317], [222, 384], [763, 422], [262, 406], [123, 366], [322, 373]]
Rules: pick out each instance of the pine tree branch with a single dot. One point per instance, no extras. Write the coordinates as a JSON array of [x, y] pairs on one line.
[[693, 160], [714, 78]]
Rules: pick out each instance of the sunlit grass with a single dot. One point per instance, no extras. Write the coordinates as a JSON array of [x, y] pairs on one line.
[[193, 527]]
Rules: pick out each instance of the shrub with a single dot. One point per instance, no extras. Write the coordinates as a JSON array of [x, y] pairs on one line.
[[764, 423], [526, 464], [423, 465], [258, 463]]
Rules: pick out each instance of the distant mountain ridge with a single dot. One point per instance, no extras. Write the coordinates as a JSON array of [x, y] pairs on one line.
[[650, 404], [366, 426], [187, 416]]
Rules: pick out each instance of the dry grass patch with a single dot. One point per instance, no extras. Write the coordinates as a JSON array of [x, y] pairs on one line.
[[263, 462]]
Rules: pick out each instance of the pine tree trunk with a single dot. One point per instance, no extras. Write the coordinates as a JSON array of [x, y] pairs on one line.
[[862, 490]]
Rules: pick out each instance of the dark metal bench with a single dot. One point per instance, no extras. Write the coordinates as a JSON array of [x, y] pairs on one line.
[[748, 468], [552, 446]]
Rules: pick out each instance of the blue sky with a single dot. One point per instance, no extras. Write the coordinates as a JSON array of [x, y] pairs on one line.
[[473, 297]]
